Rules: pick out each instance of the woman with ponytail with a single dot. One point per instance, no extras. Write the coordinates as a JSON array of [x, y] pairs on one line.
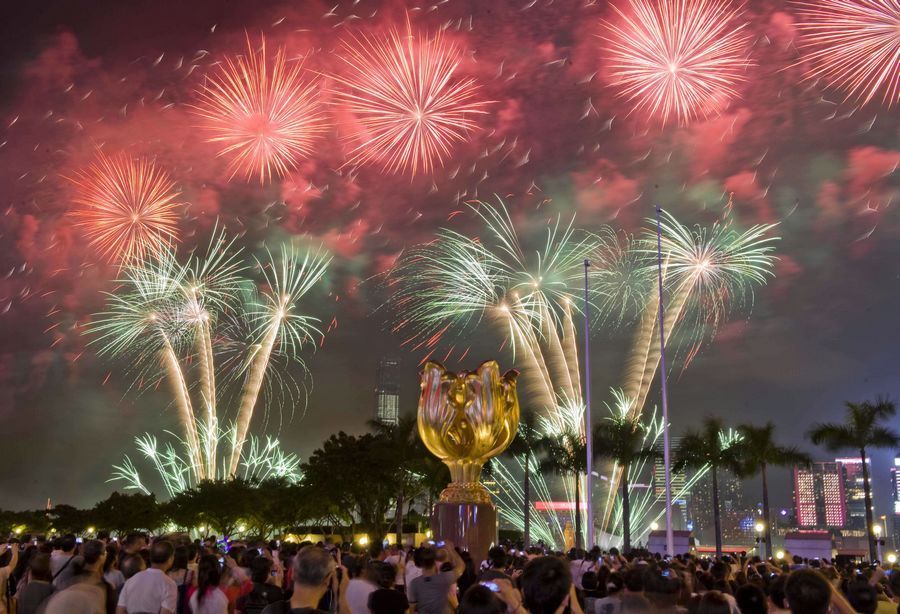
[[209, 598], [87, 593]]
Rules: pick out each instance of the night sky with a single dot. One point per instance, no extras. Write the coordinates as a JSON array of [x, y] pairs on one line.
[[78, 77]]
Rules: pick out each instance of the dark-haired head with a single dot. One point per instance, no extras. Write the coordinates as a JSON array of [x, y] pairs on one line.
[[179, 558], [714, 602], [479, 599], [40, 567], [208, 575], [807, 591], [161, 554], [545, 582], [751, 599], [66, 543], [260, 568], [131, 564], [862, 596]]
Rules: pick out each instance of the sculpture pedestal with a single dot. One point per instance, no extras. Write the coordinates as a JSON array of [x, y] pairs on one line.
[[470, 526]]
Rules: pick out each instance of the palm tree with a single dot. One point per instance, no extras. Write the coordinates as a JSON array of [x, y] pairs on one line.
[[709, 447], [861, 429], [758, 451], [621, 438], [566, 454], [401, 439], [523, 448]]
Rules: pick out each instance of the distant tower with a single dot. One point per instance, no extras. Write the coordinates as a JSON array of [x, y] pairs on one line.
[[895, 492], [854, 491], [387, 391]]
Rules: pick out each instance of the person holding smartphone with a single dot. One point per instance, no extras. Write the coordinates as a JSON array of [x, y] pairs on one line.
[[315, 574], [429, 593]]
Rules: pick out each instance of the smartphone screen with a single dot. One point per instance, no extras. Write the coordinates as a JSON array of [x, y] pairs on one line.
[[492, 586]]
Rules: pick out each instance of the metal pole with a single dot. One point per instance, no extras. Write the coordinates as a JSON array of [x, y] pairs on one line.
[[588, 436], [670, 538]]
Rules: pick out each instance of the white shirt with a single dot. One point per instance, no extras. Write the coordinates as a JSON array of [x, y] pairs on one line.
[[397, 561], [358, 592], [61, 568], [214, 602], [149, 591]]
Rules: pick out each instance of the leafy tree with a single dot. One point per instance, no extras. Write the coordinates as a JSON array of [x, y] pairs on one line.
[[354, 476], [710, 448], [566, 454], [523, 448], [278, 504], [757, 452], [401, 439], [68, 519], [434, 477], [123, 513], [622, 439], [221, 504], [862, 429]]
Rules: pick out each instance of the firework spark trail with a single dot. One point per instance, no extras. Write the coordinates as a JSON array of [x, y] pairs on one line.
[[278, 322], [126, 207], [853, 45], [183, 404], [263, 114], [402, 91], [679, 59], [709, 268]]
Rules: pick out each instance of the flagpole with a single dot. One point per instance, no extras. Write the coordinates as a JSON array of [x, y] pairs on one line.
[[588, 436], [670, 537]]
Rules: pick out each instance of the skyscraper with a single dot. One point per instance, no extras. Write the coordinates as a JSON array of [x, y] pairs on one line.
[[387, 391], [819, 496], [854, 491], [678, 481], [895, 498], [736, 516]]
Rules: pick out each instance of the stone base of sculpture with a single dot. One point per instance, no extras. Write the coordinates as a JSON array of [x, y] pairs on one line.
[[470, 526]]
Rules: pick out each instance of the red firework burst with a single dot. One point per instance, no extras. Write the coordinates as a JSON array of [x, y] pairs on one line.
[[265, 116], [854, 45], [409, 108], [126, 207], [677, 59]]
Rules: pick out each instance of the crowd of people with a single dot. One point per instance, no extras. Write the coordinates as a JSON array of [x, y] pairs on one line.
[[175, 575]]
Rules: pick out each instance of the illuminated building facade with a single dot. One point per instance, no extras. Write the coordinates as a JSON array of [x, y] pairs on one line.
[[819, 496], [855, 492], [387, 391]]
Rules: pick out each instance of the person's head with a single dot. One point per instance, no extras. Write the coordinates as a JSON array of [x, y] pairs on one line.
[[480, 599], [180, 558], [132, 564], [375, 549], [545, 582], [713, 602], [40, 567], [313, 568], [162, 554], [427, 558], [208, 575], [66, 543], [807, 592], [497, 557], [135, 542], [634, 580], [775, 591], [260, 569], [91, 559], [751, 599], [382, 574], [662, 587], [862, 596]]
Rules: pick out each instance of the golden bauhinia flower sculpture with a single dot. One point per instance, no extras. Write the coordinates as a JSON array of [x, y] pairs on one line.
[[465, 419]]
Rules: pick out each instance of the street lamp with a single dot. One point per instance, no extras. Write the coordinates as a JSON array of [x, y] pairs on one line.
[[779, 555], [892, 558], [654, 526]]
